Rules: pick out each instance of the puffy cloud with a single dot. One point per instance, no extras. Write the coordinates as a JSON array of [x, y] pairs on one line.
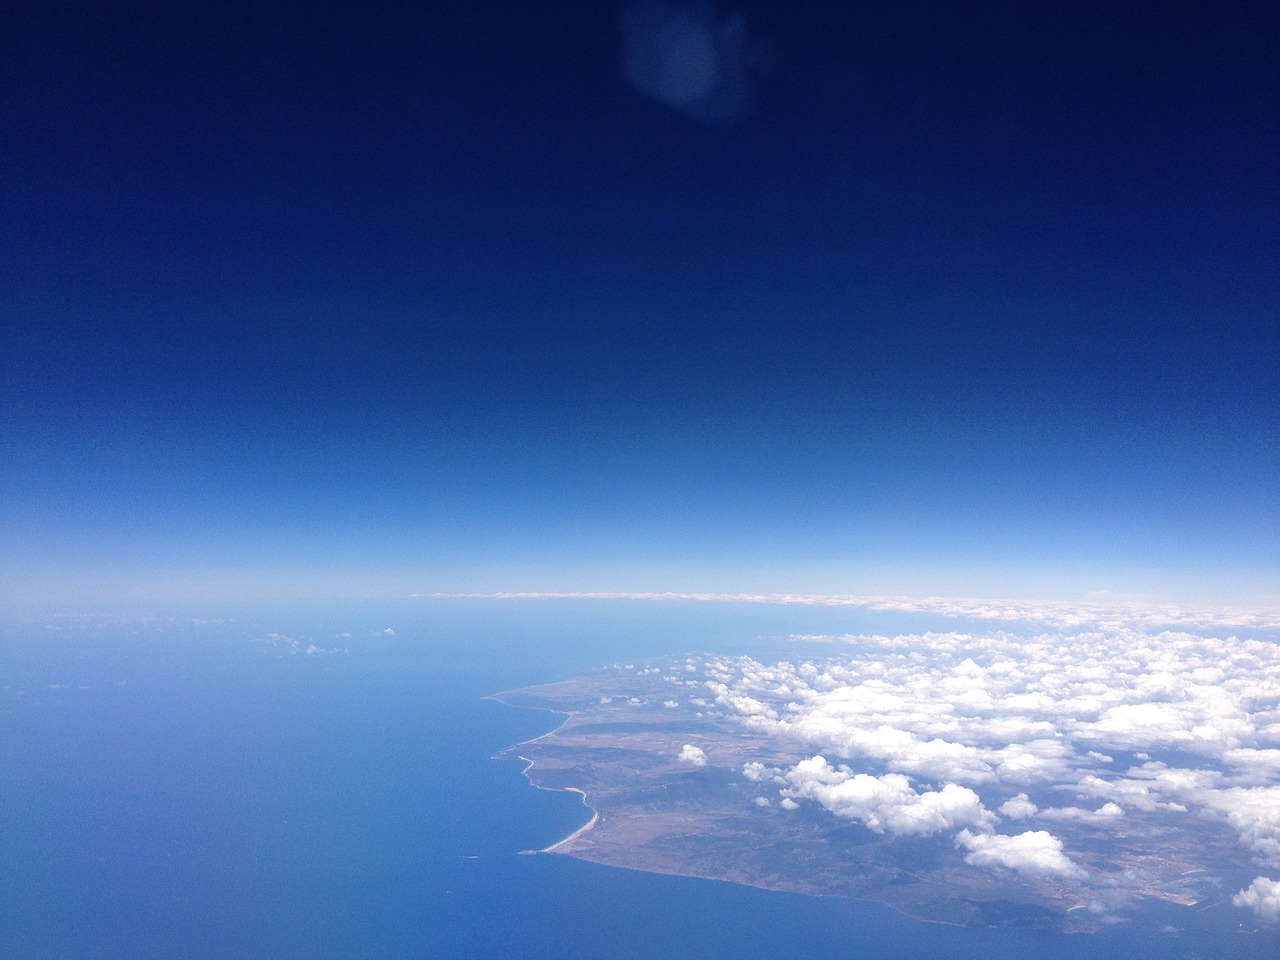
[[692, 755], [1031, 760], [1036, 853], [1262, 897], [887, 803], [1123, 726], [1018, 808], [757, 772], [1108, 811], [689, 58], [1137, 794], [741, 703], [1254, 812]]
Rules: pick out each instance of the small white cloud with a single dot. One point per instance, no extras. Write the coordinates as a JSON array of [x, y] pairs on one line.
[[695, 756], [1036, 853], [388, 632], [1108, 811], [1018, 808], [1262, 897], [761, 802], [670, 704], [788, 804]]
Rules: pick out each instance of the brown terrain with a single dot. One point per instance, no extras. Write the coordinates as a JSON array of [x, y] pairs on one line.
[[620, 745]]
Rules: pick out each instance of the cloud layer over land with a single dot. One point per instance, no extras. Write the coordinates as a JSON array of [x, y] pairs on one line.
[[1075, 757]]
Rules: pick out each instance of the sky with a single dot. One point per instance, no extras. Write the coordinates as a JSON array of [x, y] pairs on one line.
[[971, 299]]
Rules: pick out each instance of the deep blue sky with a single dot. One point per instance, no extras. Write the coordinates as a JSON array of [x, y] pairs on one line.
[[975, 298]]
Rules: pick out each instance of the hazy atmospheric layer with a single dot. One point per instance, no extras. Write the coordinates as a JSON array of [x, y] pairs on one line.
[[1104, 611], [1010, 742]]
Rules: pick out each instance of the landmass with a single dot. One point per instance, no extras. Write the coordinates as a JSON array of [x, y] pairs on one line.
[[662, 771]]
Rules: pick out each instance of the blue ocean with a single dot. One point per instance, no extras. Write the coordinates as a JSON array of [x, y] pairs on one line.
[[319, 782]]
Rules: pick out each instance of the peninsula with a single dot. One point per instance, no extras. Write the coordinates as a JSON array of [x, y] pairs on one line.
[[680, 785]]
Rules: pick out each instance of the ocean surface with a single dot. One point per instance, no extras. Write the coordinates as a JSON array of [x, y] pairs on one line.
[[319, 783]]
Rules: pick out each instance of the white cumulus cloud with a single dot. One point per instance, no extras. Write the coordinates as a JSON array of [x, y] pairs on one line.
[[885, 803], [695, 756], [1036, 853], [1018, 808], [1262, 897]]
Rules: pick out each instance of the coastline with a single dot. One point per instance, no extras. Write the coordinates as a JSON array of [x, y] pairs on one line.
[[591, 854], [529, 765], [595, 817], [595, 814]]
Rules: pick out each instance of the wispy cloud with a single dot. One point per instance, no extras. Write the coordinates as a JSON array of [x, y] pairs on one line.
[[1102, 613]]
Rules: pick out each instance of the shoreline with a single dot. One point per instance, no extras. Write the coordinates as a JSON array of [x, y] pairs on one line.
[[586, 827], [595, 814], [694, 873], [529, 765]]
